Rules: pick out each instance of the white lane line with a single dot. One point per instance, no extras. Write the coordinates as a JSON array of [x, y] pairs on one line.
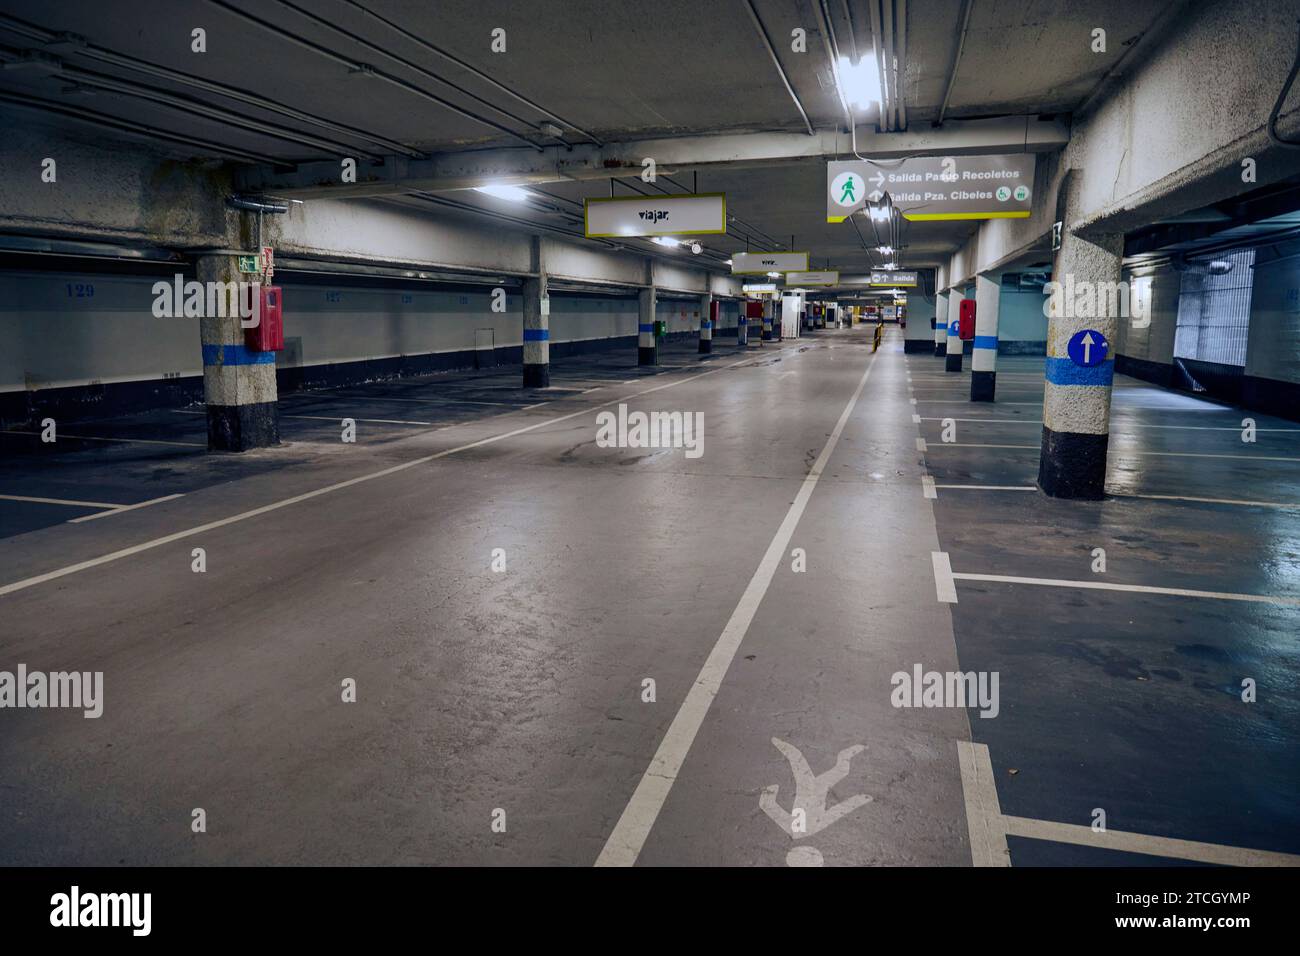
[[944, 588], [1133, 588], [364, 421], [1115, 453], [60, 501], [989, 487], [920, 444], [916, 419], [1120, 425], [959, 401], [410, 401], [1216, 501], [1142, 843], [633, 827], [338, 486], [928, 486], [989, 827], [988, 838], [126, 441], [120, 508], [912, 400]]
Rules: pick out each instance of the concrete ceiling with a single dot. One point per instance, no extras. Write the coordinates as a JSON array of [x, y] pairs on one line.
[[615, 70]]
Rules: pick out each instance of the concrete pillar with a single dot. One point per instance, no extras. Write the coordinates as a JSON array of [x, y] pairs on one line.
[[537, 333], [768, 309], [940, 324], [1076, 400], [647, 352], [742, 324], [537, 321], [238, 384], [708, 313], [984, 360], [953, 343]]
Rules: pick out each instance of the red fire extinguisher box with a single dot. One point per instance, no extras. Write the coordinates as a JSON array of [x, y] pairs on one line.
[[966, 320], [268, 334]]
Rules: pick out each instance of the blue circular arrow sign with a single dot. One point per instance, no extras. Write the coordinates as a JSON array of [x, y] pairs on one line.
[[1088, 348]]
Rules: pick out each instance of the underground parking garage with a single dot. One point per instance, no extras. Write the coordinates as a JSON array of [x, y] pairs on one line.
[[767, 433]]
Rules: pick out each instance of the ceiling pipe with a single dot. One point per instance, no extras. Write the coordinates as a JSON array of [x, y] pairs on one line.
[[878, 50], [832, 55], [771, 51], [475, 71], [900, 29], [413, 67], [89, 50], [362, 68], [887, 35], [956, 60]]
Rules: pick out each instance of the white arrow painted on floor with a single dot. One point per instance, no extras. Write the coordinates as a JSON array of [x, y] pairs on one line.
[[810, 792]]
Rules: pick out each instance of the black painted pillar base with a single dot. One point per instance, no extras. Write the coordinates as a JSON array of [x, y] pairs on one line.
[[767, 335], [1073, 465], [647, 355], [241, 427], [940, 349], [953, 362], [982, 385], [912, 346], [706, 346], [537, 375]]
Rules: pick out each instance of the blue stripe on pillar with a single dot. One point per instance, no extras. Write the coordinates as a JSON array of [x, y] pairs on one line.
[[646, 327], [235, 355], [986, 341], [536, 335], [1062, 371]]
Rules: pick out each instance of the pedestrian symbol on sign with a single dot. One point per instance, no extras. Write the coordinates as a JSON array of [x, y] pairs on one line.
[[846, 189]]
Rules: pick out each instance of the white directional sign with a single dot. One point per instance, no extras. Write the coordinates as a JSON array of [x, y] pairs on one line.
[[761, 263], [893, 278], [627, 216], [812, 278], [935, 187], [753, 287]]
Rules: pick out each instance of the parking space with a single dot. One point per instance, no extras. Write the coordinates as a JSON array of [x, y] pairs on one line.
[[1128, 631], [98, 467]]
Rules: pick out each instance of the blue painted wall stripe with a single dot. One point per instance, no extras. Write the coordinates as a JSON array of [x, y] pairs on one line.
[[986, 341], [1062, 371], [235, 355], [536, 335]]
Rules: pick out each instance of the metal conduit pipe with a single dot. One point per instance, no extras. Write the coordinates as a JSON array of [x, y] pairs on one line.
[[771, 51], [39, 34], [956, 59], [356, 67]]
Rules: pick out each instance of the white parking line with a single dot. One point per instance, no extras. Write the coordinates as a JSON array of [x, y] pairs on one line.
[[928, 486], [989, 828], [306, 496], [944, 576], [59, 501], [364, 421], [118, 509], [1115, 453], [1121, 425], [125, 441], [633, 827], [920, 444], [989, 487], [944, 588]]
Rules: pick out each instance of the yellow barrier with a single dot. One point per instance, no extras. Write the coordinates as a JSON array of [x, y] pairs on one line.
[[875, 347]]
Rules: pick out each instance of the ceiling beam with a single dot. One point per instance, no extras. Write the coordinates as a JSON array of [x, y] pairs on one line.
[[465, 169]]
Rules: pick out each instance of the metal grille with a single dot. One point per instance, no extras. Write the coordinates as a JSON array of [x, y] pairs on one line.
[[1214, 313]]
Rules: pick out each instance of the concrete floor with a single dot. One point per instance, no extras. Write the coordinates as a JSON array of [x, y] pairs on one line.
[[523, 690]]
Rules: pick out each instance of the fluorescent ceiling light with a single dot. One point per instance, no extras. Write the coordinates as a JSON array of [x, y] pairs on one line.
[[728, 262], [665, 241], [885, 250], [860, 82], [512, 193], [879, 213], [774, 275]]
